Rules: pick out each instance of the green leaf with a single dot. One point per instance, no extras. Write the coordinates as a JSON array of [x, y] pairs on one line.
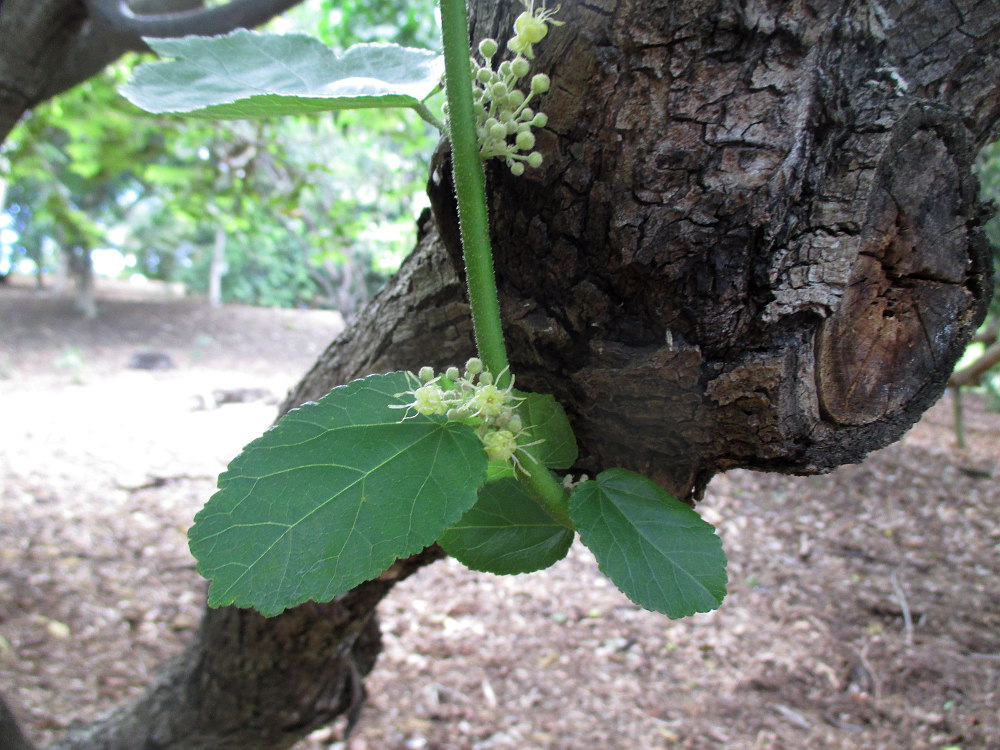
[[498, 470], [656, 549], [332, 495], [506, 532], [248, 74], [547, 422]]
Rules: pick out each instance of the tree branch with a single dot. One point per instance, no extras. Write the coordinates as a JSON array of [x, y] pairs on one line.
[[11, 737], [973, 374], [205, 21], [115, 30]]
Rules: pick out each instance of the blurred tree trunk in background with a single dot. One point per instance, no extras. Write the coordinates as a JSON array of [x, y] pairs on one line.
[[217, 268], [81, 266], [755, 241]]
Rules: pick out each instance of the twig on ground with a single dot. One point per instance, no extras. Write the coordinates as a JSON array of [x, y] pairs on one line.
[[905, 607]]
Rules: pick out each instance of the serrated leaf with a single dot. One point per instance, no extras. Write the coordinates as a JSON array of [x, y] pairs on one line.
[[656, 549], [247, 74], [332, 495], [547, 422], [506, 532]]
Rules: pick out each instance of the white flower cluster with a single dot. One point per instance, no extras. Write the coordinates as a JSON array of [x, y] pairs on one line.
[[504, 120], [472, 397]]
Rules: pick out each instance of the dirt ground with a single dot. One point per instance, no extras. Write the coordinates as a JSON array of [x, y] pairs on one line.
[[863, 608]]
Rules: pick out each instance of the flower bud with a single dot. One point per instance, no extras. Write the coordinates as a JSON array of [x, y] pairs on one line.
[[540, 120], [426, 374], [451, 373], [525, 140], [499, 445], [520, 67], [540, 83], [488, 48], [474, 366], [534, 160], [516, 168]]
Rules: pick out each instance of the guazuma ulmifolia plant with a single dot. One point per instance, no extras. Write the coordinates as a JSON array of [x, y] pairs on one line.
[[383, 466]]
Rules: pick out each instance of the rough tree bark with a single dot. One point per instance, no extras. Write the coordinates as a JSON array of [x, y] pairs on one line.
[[755, 242]]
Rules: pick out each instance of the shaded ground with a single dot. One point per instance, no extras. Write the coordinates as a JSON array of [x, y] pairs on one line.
[[863, 609]]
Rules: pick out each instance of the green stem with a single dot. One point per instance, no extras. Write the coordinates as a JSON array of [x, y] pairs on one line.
[[470, 189], [546, 489], [427, 116]]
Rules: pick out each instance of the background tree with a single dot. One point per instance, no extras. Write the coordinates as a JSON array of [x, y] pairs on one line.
[[73, 176], [755, 242], [54, 45]]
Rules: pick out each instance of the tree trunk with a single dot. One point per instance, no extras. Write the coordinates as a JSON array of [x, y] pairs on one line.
[[756, 239], [754, 242], [81, 266], [217, 268]]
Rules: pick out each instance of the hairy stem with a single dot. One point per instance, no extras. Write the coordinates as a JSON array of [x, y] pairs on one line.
[[427, 116], [470, 189], [546, 489]]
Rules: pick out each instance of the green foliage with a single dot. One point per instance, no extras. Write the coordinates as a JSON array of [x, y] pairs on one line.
[[262, 268], [333, 494], [656, 549], [318, 212], [549, 426], [235, 76], [409, 23], [988, 171], [71, 173], [507, 532]]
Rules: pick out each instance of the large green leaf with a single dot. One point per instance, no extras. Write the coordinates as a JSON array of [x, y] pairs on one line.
[[506, 532], [656, 549], [332, 495], [248, 74], [547, 422]]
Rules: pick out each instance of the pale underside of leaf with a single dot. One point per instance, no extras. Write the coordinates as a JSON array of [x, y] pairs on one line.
[[248, 74]]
